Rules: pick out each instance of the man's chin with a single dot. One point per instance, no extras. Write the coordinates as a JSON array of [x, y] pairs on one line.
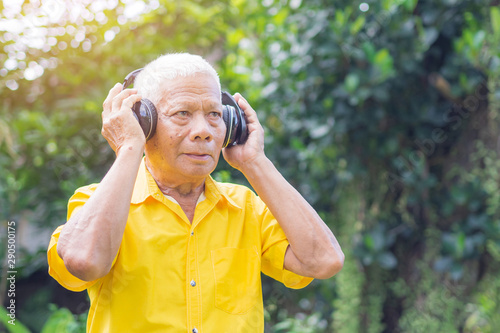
[[198, 169]]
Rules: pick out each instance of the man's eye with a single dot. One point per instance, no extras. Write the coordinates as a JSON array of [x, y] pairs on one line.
[[182, 114], [215, 114]]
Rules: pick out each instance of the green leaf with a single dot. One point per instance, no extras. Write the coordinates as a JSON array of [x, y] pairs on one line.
[[369, 50], [17, 328], [410, 4], [297, 144], [284, 325], [460, 245], [384, 63], [357, 25], [495, 19], [369, 242], [235, 36], [340, 17], [351, 82], [62, 320], [238, 3], [282, 15], [478, 39], [493, 249]]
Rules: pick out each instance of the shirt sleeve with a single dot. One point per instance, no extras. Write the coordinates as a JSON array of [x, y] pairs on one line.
[[274, 246], [57, 269]]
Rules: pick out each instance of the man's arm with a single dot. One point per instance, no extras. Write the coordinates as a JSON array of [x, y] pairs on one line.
[[90, 240], [314, 250]]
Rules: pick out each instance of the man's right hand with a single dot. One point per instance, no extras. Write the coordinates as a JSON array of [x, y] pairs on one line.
[[91, 238], [119, 126]]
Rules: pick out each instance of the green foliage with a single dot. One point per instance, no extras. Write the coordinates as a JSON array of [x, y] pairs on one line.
[[375, 247], [63, 321], [11, 328], [384, 118], [435, 305], [386, 102], [483, 313], [302, 324], [60, 321], [347, 306]]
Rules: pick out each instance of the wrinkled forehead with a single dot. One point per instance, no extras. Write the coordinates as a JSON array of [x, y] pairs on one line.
[[192, 88]]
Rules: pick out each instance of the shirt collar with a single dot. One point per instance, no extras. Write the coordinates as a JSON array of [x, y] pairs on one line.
[[214, 192], [145, 186]]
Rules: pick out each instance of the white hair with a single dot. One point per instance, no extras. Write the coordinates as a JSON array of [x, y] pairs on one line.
[[169, 67]]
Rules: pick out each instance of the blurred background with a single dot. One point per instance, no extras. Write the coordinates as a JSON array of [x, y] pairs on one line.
[[384, 114]]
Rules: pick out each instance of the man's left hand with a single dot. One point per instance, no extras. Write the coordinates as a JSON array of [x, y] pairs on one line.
[[242, 156]]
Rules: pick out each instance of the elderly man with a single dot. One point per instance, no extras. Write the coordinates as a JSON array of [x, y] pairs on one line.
[[162, 247]]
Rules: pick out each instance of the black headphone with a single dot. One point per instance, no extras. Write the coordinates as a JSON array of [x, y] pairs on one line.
[[233, 116]]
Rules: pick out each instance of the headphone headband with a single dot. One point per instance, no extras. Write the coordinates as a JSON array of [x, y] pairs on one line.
[[130, 78]]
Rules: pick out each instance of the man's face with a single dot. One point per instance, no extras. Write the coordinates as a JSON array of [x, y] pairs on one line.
[[190, 130]]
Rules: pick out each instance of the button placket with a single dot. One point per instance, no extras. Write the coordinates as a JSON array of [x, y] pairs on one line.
[[193, 293]]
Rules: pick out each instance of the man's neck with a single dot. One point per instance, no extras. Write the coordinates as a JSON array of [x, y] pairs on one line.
[[185, 193], [186, 198]]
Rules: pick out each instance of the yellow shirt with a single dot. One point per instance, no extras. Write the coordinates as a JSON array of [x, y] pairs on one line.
[[173, 276]]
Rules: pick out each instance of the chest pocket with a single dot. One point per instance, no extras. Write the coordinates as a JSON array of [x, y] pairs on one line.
[[237, 279]]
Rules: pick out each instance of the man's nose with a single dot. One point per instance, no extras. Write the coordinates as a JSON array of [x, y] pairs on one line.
[[200, 128]]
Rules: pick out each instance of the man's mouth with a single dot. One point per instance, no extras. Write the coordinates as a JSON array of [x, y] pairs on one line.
[[198, 156]]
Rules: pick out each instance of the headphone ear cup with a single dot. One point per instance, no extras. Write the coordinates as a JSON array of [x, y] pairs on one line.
[[145, 113], [236, 126], [231, 121], [225, 118], [243, 130]]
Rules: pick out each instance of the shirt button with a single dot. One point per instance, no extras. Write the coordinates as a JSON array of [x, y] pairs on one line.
[[195, 330], [192, 233], [193, 283]]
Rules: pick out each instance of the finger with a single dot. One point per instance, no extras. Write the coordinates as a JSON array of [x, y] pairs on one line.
[[129, 102], [106, 105], [250, 113], [238, 97], [118, 99]]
